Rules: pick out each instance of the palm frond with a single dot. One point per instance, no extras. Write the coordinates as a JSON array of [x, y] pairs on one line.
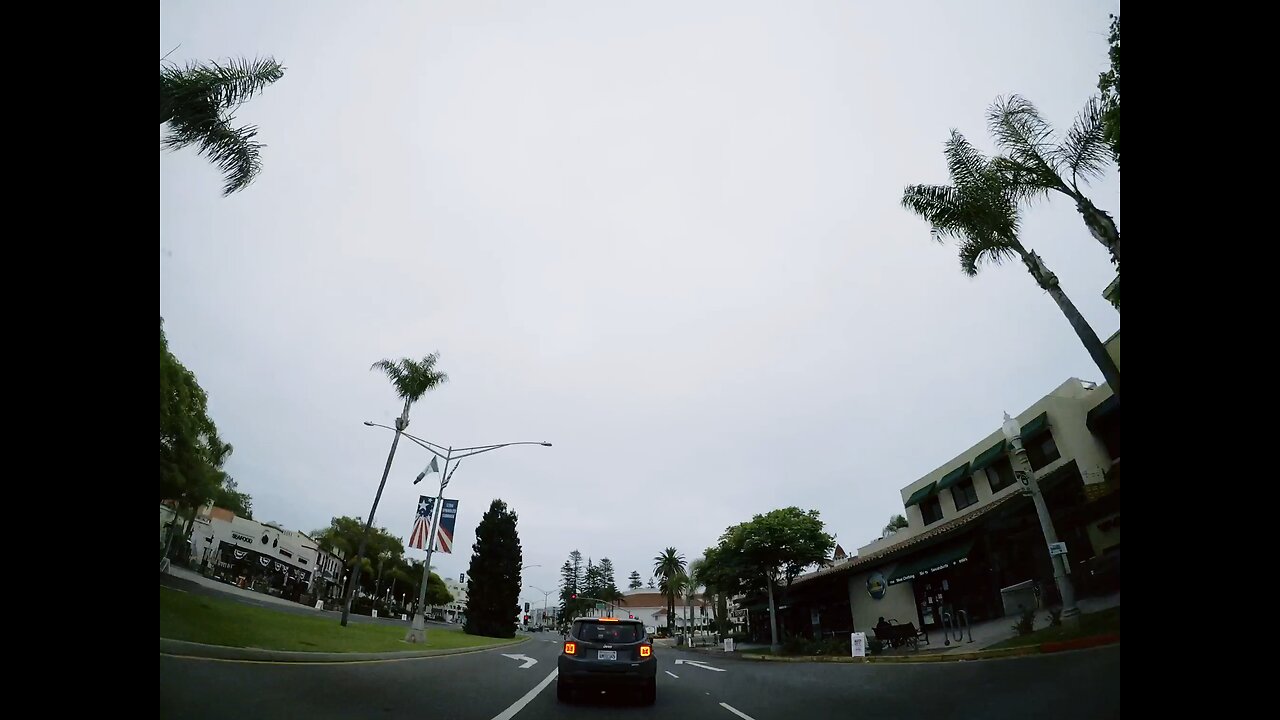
[[1085, 150], [231, 149], [197, 102], [225, 85], [1018, 128], [391, 369], [942, 206], [986, 248], [964, 162]]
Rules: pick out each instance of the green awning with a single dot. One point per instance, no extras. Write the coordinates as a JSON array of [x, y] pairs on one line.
[[989, 456], [954, 477], [1035, 427], [938, 560], [1101, 412], [924, 492]]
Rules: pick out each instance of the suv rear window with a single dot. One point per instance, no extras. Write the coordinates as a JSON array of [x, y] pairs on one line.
[[608, 632]]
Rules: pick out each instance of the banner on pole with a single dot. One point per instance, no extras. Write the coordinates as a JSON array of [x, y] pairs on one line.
[[448, 517], [422, 522]]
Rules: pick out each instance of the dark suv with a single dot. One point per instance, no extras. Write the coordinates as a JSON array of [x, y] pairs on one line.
[[607, 651]]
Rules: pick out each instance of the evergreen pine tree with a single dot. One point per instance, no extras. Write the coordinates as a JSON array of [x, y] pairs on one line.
[[493, 580], [633, 582]]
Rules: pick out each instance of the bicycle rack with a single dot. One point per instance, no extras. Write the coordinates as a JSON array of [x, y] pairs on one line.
[[955, 624]]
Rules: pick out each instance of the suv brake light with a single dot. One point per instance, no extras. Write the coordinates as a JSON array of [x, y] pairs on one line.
[[571, 648], [646, 650]]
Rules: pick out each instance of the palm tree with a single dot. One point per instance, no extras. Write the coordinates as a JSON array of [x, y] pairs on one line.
[[667, 567], [1042, 165], [412, 379], [896, 523], [693, 576], [199, 101], [980, 210]]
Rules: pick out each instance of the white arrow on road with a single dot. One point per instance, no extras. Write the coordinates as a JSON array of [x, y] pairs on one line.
[[698, 663], [528, 661]]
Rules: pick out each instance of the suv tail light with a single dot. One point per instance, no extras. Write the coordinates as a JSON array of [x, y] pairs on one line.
[[571, 648], [646, 650]]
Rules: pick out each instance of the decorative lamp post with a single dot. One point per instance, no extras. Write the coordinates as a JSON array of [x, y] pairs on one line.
[[1057, 551]]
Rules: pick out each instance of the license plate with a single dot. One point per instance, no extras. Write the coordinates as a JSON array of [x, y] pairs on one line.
[[607, 655]]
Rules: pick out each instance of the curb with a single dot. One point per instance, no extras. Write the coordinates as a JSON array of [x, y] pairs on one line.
[[223, 652], [1041, 649]]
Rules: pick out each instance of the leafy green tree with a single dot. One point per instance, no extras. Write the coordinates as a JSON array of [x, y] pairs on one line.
[[1109, 85], [633, 581], [411, 379], [228, 497], [493, 579], [192, 454], [980, 210], [775, 547], [668, 567], [199, 103]]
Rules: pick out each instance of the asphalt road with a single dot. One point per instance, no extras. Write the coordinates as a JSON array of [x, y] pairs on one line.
[[488, 686]]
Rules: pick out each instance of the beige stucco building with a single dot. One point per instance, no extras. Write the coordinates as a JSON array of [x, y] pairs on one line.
[[973, 541]]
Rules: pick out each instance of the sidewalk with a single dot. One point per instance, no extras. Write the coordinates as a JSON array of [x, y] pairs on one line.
[[195, 577], [992, 632]]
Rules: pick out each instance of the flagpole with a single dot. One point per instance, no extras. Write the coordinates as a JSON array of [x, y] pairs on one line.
[[418, 630]]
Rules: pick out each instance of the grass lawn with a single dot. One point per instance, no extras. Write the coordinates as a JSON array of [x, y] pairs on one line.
[[1105, 622], [214, 621]]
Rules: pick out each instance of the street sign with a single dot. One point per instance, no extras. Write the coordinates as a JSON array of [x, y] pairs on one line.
[[599, 606], [858, 641], [1058, 548], [728, 644]]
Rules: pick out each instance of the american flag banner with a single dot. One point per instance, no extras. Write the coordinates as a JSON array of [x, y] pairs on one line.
[[422, 522]]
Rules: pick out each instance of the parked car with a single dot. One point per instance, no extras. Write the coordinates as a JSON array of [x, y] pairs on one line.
[[607, 652]]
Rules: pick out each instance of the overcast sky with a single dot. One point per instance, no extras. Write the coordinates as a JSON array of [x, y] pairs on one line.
[[664, 236]]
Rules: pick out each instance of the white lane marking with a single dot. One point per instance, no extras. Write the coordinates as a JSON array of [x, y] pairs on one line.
[[671, 674], [736, 711], [518, 705], [698, 663], [528, 661]]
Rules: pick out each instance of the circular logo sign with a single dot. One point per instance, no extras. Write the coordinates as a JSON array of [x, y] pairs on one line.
[[876, 585]]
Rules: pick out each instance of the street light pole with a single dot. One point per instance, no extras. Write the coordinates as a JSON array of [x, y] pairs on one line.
[[418, 629], [1013, 433]]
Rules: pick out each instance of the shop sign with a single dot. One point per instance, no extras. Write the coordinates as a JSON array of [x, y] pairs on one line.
[[876, 585]]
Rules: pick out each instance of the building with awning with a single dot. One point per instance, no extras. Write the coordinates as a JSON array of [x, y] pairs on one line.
[[972, 528]]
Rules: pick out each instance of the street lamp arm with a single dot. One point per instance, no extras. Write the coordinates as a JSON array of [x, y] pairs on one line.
[[426, 443], [468, 452]]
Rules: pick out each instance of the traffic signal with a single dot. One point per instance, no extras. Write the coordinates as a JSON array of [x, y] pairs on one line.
[[526, 609], [526, 619], [573, 596]]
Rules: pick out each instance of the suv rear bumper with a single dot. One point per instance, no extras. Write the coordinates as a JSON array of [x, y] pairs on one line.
[[575, 671]]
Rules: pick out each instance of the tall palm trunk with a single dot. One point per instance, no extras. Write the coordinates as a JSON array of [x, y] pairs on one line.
[[1049, 283], [1101, 226], [364, 536]]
